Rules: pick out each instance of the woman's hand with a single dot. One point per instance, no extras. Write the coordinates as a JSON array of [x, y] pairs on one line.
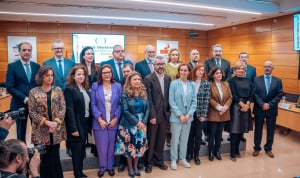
[[75, 134], [102, 123], [187, 117], [52, 126], [113, 122], [141, 125], [182, 118], [202, 119]]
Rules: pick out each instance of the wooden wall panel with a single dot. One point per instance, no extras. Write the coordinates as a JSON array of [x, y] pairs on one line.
[[286, 72], [41, 27], [71, 28], [290, 85], [285, 59], [12, 27], [282, 22], [240, 40], [263, 37], [263, 48], [95, 28], [283, 47], [242, 29], [149, 31], [282, 35], [261, 26], [298, 86]]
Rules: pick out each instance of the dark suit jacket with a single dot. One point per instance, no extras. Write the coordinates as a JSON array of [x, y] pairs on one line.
[[158, 103], [250, 73], [111, 62], [68, 64], [17, 83], [143, 68], [75, 114], [261, 96], [225, 65]]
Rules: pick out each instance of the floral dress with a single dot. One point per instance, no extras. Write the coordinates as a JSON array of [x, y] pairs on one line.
[[134, 140]]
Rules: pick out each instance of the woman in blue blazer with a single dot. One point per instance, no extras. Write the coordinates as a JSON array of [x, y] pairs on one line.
[[106, 108], [183, 101]]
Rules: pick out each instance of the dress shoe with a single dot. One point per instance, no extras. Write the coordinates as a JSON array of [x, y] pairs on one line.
[[202, 142], [197, 160], [111, 172], [243, 139], [270, 154], [189, 157], [131, 174], [233, 159], [148, 168], [121, 168], [161, 166], [210, 156], [184, 163], [83, 175], [238, 155], [100, 174], [137, 173], [255, 153], [218, 155], [140, 166], [173, 165]]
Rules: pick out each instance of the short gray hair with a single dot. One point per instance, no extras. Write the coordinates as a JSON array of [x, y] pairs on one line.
[[159, 58], [216, 45], [57, 41]]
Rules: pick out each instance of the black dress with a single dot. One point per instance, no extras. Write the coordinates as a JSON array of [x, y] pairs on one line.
[[241, 89]]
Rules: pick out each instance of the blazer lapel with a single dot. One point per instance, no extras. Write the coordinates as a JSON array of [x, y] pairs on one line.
[[22, 70], [156, 82], [113, 93], [101, 94], [215, 90], [66, 68]]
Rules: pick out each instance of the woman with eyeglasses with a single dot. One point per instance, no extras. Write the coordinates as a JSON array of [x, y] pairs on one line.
[[106, 108]]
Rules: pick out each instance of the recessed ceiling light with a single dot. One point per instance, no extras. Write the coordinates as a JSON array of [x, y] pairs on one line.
[[198, 6], [106, 17]]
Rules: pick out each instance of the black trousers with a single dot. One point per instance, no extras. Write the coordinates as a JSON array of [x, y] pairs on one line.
[[215, 130], [235, 140], [156, 135], [50, 166], [78, 154], [259, 122], [195, 137]]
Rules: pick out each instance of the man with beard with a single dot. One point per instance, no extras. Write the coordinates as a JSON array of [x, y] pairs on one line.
[[14, 159], [145, 67], [157, 85], [217, 61], [194, 57]]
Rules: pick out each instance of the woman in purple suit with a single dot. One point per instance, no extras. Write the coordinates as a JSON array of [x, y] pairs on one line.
[[105, 101]]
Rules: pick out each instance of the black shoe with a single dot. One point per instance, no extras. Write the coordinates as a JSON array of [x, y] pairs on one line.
[[140, 166], [210, 156], [197, 160], [111, 172], [203, 142], [189, 157], [121, 168], [100, 174], [83, 175], [161, 166], [94, 150], [137, 173], [148, 168], [243, 139], [218, 155]]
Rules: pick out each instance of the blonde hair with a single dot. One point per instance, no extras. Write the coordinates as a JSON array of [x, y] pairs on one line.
[[179, 55], [141, 91]]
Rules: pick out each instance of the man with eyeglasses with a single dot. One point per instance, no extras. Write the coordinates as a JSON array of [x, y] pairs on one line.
[[20, 79], [145, 67], [117, 62], [61, 66], [157, 85]]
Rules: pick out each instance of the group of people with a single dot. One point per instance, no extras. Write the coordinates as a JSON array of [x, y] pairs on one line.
[[133, 112]]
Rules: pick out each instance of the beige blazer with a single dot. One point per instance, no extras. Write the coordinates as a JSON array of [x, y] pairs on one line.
[[215, 99]]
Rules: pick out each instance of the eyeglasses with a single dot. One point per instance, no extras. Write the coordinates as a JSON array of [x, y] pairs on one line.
[[119, 51], [57, 49], [104, 73], [160, 64]]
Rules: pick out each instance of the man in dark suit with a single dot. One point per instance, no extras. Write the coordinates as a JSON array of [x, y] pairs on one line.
[[157, 85], [267, 94], [20, 79], [117, 62], [194, 57], [61, 66], [145, 67], [217, 60]]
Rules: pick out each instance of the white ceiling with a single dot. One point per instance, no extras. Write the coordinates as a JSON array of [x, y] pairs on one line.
[[155, 14]]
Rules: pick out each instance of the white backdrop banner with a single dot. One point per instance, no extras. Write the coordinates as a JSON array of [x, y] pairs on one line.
[[12, 45], [164, 46]]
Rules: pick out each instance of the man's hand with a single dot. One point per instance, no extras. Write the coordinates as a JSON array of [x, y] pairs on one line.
[[153, 121], [34, 164], [266, 107], [6, 122], [75, 134]]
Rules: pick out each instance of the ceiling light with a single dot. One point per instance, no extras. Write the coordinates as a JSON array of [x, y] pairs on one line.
[[198, 6], [106, 17]]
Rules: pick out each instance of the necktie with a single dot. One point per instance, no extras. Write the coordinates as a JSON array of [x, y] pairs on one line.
[[150, 66], [268, 83], [218, 63], [60, 69], [28, 72], [120, 71]]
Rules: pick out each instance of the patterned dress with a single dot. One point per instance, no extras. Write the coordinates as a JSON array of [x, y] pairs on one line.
[[134, 140]]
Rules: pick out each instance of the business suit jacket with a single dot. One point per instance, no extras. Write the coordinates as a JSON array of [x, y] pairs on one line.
[[143, 68], [75, 114], [272, 98], [211, 63], [203, 96], [17, 83], [98, 103], [250, 72], [215, 100], [128, 119], [111, 62], [176, 100], [159, 103], [38, 111], [68, 65]]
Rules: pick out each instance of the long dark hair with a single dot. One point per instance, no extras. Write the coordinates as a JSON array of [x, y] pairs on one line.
[[99, 78], [212, 73], [71, 80], [82, 53], [43, 71]]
